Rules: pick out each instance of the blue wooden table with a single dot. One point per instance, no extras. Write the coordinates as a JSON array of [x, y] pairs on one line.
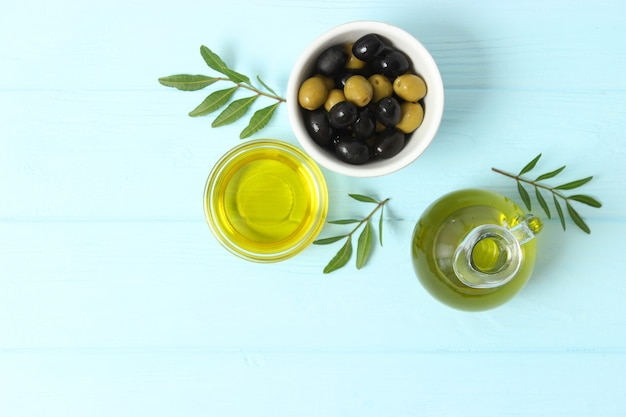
[[116, 300]]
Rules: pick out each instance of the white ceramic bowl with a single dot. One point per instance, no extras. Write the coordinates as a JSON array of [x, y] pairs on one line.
[[422, 63]]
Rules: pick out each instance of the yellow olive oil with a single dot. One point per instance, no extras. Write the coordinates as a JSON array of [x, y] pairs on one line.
[[441, 229], [267, 203]]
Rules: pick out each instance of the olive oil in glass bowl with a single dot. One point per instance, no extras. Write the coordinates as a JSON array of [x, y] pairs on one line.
[[266, 200], [474, 249]]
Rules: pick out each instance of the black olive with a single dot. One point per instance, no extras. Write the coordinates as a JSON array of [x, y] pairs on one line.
[[319, 128], [364, 125], [388, 111], [367, 47], [332, 60], [391, 63], [388, 143], [342, 76], [342, 114], [352, 151]]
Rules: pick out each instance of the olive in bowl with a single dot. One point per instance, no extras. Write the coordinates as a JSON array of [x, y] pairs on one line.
[[394, 93]]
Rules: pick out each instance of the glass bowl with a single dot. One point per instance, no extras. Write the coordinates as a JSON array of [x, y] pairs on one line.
[[265, 200]]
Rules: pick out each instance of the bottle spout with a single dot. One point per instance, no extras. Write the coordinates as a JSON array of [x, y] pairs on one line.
[[491, 255], [526, 227]]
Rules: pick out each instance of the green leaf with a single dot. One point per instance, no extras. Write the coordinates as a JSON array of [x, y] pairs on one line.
[[212, 59], [550, 174], [216, 63], [380, 225], [237, 77], [573, 184], [187, 82], [557, 196], [363, 198], [577, 219], [364, 246], [259, 120], [267, 87], [542, 202], [559, 210], [530, 165], [524, 194], [344, 221], [213, 102], [585, 199], [328, 240], [341, 258], [234, 111]]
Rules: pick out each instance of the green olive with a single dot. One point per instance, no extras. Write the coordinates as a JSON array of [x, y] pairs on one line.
[[329, 82], [334, 96], [409, 87], [381, 85], [358, 90], [312, 93], [353, 62], [411, 116]]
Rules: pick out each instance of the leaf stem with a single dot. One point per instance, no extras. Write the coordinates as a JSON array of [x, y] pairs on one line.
[[364, 244], [366, 219], [254, 89], [581, 198], [533, 183]]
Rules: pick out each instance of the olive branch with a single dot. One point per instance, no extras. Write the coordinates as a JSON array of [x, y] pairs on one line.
[[365, 241], [218, 99], [556, 192]]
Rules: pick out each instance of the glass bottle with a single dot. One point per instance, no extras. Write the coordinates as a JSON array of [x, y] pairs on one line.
[[474, 249]]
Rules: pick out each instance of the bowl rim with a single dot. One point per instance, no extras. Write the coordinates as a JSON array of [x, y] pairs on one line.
[[425, 133], [309, 166]]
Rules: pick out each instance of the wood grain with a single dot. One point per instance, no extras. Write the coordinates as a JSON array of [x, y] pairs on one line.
[[116, 300]]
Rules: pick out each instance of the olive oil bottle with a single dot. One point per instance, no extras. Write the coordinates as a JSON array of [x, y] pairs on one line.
[[474, 249]]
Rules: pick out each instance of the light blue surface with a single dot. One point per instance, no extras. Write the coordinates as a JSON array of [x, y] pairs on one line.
[[115, 299]]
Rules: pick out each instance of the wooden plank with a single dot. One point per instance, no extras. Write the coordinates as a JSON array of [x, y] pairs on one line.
[[169, 284], [259, 383]]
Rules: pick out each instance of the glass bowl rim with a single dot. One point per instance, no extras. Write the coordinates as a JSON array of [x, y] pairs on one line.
[[312, 171]]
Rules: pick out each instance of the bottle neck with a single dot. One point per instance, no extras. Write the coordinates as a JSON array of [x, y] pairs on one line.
[[491, 255]]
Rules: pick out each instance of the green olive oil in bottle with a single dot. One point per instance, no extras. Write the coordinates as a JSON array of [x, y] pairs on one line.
[[474, 249]]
